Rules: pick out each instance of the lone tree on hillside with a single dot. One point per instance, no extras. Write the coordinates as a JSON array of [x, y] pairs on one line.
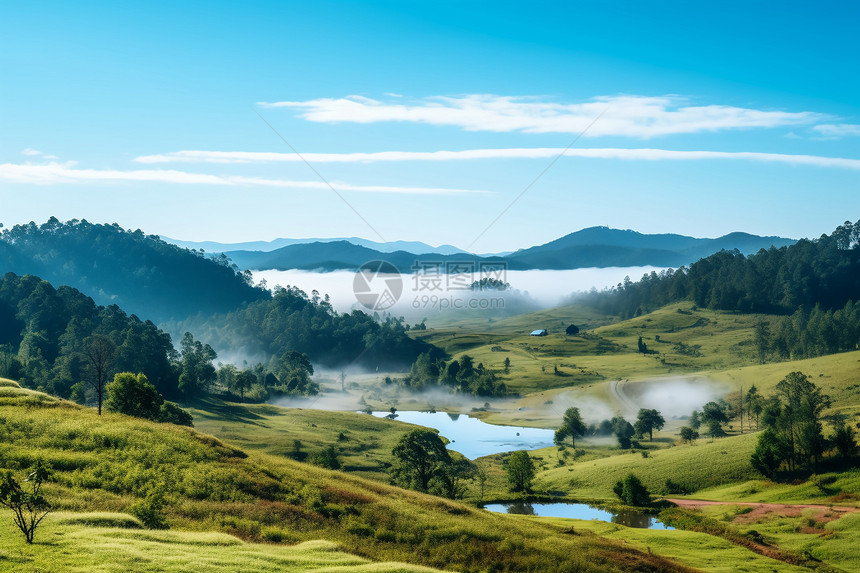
[[571, 425], [133, 395], [419, 455], [623, 431], [648, 420], [99, 351], [571, 330], [27, 503], [714, 416], [688, 434], [521, 471]]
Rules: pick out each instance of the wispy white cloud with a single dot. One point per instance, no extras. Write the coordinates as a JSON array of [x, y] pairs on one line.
[[837, 130], [30, 152], [56, 173], [625, 115], [644, 154]]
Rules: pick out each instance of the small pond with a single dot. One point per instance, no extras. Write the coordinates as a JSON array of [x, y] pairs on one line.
[[474, 438], [579, 511]]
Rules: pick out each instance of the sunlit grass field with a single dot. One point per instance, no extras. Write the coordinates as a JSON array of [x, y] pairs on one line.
[[690, 340], [108, 463], [88, 543], [703, 464]]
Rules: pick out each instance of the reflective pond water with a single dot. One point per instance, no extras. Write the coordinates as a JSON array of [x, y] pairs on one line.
[[474, 438], [579, 511]]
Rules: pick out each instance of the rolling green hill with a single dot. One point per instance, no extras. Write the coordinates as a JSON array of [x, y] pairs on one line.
[[107, 463]]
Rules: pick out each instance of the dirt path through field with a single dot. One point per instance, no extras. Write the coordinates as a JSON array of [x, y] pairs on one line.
[[616, 390], [824, 512]]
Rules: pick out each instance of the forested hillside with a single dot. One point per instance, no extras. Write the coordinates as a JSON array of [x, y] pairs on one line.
[[44, 334], [139, 272], [292, 320], [47, 335], [813, 284], [824, 271]]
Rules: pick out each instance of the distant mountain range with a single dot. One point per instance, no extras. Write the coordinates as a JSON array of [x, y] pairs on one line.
[[268, 246], [591, 247]]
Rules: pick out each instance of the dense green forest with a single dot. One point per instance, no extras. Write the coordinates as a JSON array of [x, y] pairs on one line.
[[293, 320], [60, 341], [813, 285], [44, 333], [141, 273]]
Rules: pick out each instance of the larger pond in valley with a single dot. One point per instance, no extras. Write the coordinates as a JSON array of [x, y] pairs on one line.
[[474, 438], [579, 511]]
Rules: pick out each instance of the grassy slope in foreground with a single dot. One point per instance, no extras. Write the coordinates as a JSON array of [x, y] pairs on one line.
[[107, 463], [96, 543]]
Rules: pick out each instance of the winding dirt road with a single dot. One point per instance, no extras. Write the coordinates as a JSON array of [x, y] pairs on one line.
[[616, 391]]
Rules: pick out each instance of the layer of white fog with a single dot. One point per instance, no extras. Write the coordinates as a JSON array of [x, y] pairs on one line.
[[530, 290], [674, 397]]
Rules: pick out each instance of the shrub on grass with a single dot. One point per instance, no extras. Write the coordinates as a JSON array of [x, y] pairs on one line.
[[150, 511], [631, 491]]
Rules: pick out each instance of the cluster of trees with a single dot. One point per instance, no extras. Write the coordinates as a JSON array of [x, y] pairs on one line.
[[292, 320], [631, 491], [286, 375], [793, 439], [712, 417], [647, 420], [423, 463], [824, 271], [430, 370], [808, 333], [139, 272]]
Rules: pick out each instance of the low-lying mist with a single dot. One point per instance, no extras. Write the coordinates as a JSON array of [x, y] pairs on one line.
[[368, 390], [530, 290], [676, 397]]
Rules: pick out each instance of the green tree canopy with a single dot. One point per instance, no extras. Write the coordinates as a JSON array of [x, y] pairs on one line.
[[623, 431], [571, 425], [520, 471], [793, 437], [419, 456], [648, 420], [632, 492], [133, 395]]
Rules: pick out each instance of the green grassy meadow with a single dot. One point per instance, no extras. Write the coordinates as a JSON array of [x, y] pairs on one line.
[[111, 462], [238, 497], [85, 543]]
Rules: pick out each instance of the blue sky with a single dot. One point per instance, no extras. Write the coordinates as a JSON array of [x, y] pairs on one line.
[[430, 120]]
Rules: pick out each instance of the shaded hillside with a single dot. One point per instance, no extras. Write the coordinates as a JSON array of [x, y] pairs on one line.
[[43, 334], [141, 273]]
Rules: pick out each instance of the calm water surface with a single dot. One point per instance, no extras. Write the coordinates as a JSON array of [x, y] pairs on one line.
[[474, 438], [579, 511]]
